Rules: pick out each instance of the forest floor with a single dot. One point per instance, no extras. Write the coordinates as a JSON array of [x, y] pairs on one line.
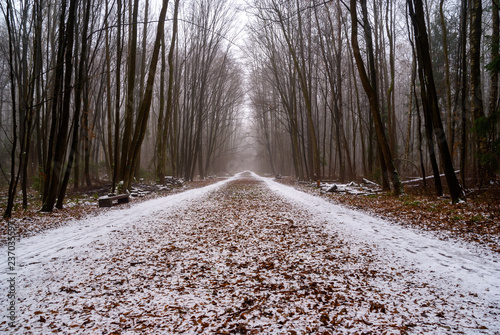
[[477, 220], [248, 255], [80, 203]]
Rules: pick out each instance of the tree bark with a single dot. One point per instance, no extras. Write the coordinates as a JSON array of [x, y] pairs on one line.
[[80, 79], [57, 92], [428, 91], [164, 126], [13, 178], [480, 133], [372, 95], [109, 124], [145, 104], [463, 88], [449, 114], [493, 102], [116, 156], [60, 146], [125, 168]]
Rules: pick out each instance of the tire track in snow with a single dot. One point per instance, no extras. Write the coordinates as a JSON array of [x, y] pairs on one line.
[[46, 245], [475, 271]]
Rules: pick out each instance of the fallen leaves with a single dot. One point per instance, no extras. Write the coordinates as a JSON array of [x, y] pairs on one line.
[[79, 204], [477, 220], [241, 261]]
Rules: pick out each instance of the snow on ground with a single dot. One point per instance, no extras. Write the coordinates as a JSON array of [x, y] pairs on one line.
[[351, 188], [475, 270], [234, 257], [451, 265], [81, 232]]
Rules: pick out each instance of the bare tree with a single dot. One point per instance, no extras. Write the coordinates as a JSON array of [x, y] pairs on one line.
[[145, 103], [429, 96], [164, 121], [371, 92], [62, 115]]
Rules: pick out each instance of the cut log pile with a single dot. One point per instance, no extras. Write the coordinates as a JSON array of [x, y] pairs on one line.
[[366, 187]]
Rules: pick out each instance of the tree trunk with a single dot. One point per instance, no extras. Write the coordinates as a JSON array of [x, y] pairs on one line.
[[371, 92], [463, 89], [480, 131], [80, 79], [109, 124], [449, 114], [60, 146], [116, 156], [164, 126], [55, 103], [125, 168], [493, 102], [13, 178], [87, 134], [429, 93], [145, 104], [137, 167]]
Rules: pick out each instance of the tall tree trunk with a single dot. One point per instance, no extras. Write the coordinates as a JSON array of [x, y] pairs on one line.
[[80, 79], [391, 108], [116, 156], [371, 92], [88, 129], [428, 91], [145, 104], [476, 13], [429, 128], [125, 168], [109, 124], [164, 127], [463, 89], [137, 167], [57, 93], [420, 140], [29, 84], [60, 146], [449, 114], [493, 103], [13, 177]]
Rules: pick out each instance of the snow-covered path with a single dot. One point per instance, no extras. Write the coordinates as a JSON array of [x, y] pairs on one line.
[[475, 270], [234, 257], [80, 233]]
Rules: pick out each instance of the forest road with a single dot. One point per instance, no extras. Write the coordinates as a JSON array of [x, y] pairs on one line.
[[247, 255]]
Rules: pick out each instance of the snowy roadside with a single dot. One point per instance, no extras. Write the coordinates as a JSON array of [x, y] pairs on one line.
[[452, 264], [83, 205], [84, 236], [81, 232], [475, 221], [236, 258]]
